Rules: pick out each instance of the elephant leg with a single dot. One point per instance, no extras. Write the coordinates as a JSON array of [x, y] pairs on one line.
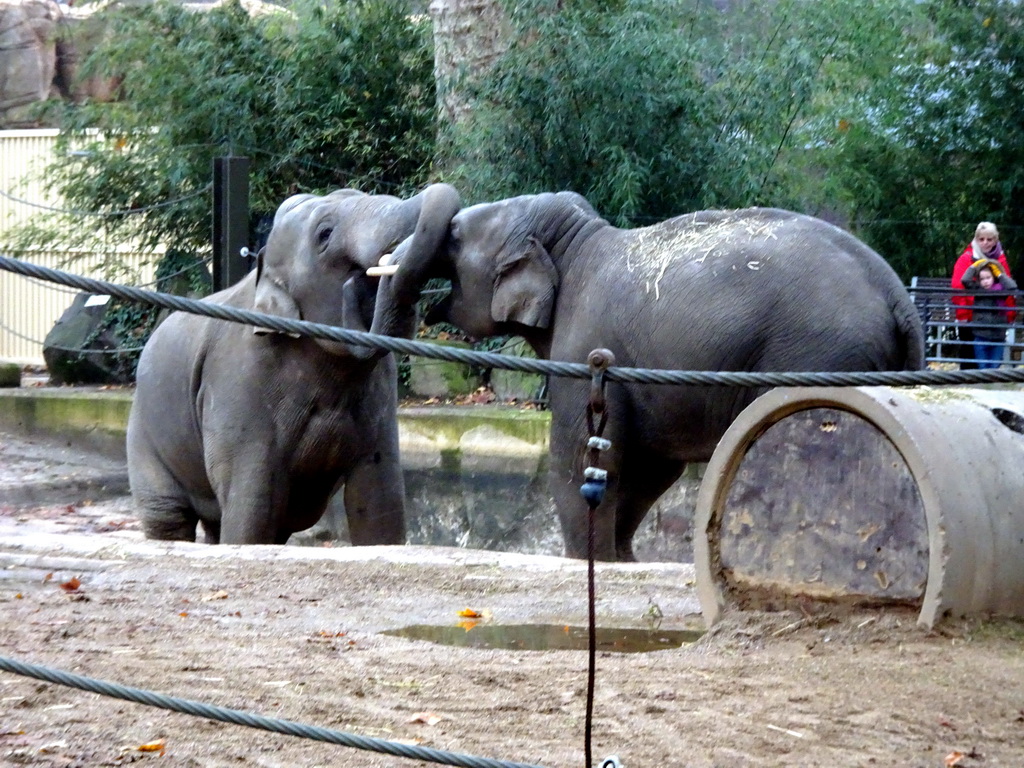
[[643, 478], [375, 500], [166, 518], [253, 489], [211, 529], [164, 508]]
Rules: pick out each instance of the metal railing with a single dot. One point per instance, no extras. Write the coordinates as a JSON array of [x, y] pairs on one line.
[[944, 342]]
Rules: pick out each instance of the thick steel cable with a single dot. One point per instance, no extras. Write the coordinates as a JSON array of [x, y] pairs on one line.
[[249, 719], [511, 363]]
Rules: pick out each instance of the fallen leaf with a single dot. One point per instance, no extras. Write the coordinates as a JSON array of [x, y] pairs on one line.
[[48, 576], [221, 595], [427, 718], [183, 614], [954, 758], [19, 596], [469, 613], [71, 585], [154, 746]]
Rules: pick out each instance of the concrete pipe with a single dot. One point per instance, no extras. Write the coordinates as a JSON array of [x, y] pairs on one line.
[[868, 496]]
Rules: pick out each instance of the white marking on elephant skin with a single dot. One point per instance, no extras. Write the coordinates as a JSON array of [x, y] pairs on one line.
[[654, 249]]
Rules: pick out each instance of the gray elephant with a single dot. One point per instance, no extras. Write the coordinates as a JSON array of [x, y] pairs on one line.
[[749, 290], [249, 432]]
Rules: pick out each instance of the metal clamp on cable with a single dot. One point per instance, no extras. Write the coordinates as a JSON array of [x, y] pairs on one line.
[[594, 483]]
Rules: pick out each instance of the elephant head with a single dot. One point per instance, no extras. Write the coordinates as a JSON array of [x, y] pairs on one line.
[[501, 260], [314, 264]]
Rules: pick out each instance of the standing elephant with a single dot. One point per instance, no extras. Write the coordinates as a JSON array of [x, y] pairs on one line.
[[750, 290], [249, 432]]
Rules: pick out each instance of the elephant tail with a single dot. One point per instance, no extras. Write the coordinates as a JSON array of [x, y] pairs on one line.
[[911, 331]]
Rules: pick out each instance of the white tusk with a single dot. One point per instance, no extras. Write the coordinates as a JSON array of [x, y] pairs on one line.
[[382, 271]]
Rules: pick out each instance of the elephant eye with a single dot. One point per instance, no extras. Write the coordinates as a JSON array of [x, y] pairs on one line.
[[323, 235]]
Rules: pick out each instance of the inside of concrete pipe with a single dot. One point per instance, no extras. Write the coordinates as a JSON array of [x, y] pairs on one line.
[[821, 505]]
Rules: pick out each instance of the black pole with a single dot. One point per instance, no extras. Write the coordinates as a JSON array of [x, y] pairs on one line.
[[230, 220]]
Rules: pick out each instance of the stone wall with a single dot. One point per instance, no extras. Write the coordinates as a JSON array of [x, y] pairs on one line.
[[38, 58], [42, 44]]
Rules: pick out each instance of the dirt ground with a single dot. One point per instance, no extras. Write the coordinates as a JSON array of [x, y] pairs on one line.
[[295, 633]]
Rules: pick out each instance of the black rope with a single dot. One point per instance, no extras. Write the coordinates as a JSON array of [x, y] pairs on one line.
[[512, 363], [249, 719]]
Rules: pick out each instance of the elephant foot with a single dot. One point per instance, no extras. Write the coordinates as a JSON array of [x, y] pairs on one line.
[[624, 554]]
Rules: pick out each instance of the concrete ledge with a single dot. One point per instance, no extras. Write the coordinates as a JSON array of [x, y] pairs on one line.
[[91, 418], [97, 419]]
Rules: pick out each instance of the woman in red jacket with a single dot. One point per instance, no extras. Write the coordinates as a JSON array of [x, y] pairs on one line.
[[985, 245]]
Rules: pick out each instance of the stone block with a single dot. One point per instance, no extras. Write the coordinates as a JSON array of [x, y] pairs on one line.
[[440, 378], [10, 375], [516, 385]]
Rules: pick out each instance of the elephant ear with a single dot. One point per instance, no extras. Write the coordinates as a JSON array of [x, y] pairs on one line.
[[271, 298], [525, 287]]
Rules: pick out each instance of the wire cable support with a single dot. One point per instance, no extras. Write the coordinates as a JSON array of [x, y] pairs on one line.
[[109, 214], [249, 719], [512, 363]]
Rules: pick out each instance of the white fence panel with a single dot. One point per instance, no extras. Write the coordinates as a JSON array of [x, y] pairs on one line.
[[29, 307], [22, 155]]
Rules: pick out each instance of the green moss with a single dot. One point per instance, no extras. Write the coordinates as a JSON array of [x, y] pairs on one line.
[[451, 460], [93, 412], [452, 423], [10, 375]]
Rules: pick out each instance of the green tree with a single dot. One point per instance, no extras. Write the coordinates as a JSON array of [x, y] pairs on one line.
[[650, 109], [938, 145], [320, 96]]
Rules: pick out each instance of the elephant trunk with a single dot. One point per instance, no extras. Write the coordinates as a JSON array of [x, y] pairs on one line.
[[357, 297], [394, 312], [417, 255], [390, 310]]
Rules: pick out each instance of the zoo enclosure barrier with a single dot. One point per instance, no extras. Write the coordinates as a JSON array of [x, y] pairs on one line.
[[574, 370], [509, 362], [933, 298]]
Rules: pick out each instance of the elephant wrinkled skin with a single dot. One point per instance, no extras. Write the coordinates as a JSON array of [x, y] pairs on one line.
[[749, 290], [249, 432]]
